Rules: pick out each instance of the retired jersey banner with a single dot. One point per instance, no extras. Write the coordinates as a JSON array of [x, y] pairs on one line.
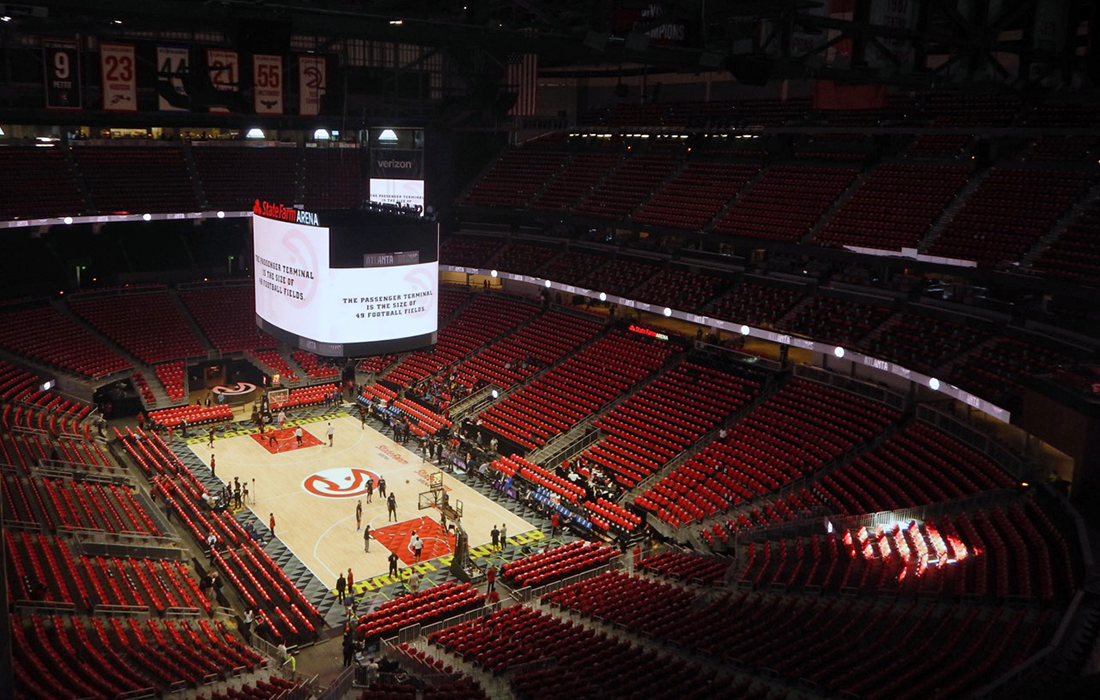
[[267, 84], [119, 70], [61, 61], [224, 68], [311, 84], [173, 64]]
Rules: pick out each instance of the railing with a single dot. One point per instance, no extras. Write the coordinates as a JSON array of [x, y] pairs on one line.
[[107, 609], [887, 518], [851, 385], [412, 632], [575, 446], [65, 467], [127, 544], [475, 401], [179, 611], [266, 648], [336, 690], [1009, 461], [745, 357], [44, 606], [538, 593]]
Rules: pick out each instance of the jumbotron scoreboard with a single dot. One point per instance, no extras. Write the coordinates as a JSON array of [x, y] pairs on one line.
[[346, 283]]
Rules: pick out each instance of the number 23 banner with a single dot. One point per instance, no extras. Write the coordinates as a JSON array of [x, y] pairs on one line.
[[267, 84], [119, 69]]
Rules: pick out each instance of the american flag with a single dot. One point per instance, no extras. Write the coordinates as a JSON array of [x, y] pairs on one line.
[[522, 79]]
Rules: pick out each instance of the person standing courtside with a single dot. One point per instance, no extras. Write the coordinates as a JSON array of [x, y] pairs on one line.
[[330, 432], [341, 586], [393, 564], [391, 507], [366, 539], [298, 435], [370, 489], [382, 486], [359, 515]]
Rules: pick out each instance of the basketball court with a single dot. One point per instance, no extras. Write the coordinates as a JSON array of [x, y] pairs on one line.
[[312, 489]]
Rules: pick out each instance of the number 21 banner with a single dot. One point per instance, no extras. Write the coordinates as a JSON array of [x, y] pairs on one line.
[[119, 69], [224, 69], [267, 84], [61, 60]]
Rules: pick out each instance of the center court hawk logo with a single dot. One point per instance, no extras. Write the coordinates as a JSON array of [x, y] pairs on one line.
[[342, 482]]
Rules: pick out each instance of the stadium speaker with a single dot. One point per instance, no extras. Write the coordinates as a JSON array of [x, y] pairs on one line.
[[264, 36], [750, 70]]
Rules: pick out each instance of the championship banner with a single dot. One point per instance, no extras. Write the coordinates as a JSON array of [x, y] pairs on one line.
[[173, 64], [119, 70], [61, 62], [311, 84], [267, 84], [224, 69]]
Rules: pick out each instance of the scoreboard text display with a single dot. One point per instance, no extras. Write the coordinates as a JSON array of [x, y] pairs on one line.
[[345, 283]]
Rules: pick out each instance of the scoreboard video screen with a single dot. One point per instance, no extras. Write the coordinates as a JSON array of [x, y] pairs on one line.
[[345, 283]]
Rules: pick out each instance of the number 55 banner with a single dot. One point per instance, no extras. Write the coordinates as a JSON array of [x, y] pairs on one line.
[[267, 84], [116, 62]]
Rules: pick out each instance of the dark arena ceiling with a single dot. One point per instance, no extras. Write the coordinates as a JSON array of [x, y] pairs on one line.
[[977, 40]]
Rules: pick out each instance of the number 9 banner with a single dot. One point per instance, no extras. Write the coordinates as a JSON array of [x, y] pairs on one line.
[[116, 61], [61, 62]]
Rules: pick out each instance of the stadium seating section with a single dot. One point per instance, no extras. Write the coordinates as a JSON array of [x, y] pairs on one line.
[[147, 325], [844, 548], [233, 177], [38, 182], [227, 316], [333, 178], [52, 338], [581, 385], [136, 179]]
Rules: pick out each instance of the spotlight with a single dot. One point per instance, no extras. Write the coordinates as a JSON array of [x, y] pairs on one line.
[[68, 219], [934, 384], [146, 217], [603, 296], [547, 284], [221, 214], [838, 351], [668, 312], [744, 330], [321, 135], [255, 133], [492, 273]]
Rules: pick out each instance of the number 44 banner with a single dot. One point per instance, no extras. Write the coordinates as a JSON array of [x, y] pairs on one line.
[[61, 61], [173, 64]]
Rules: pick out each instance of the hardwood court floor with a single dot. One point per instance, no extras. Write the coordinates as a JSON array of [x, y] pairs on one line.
[[312, 490]]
